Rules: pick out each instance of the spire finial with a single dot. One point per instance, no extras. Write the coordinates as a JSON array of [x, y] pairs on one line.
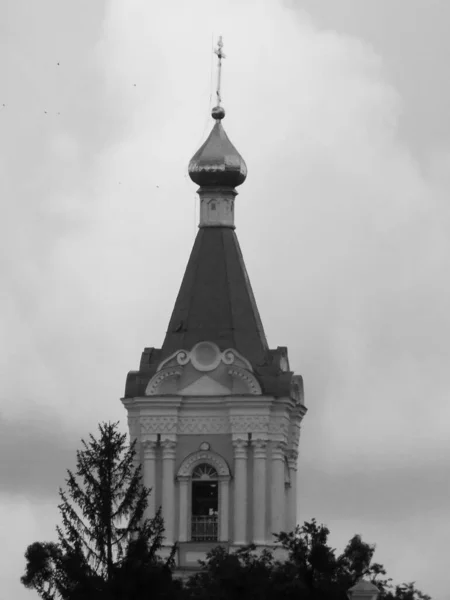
[[217, 163], [218, 112]]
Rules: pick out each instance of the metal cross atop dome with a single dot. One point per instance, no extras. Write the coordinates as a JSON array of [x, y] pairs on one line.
[[220, 55]]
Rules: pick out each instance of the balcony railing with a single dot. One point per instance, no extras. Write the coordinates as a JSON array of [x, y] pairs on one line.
[[204, 529]]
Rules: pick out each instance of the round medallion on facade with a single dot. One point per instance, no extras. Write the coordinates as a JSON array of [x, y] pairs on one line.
[[205, 356], [204, 446]]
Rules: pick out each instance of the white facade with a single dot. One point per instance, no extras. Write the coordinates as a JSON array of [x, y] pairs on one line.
[[205, 407]]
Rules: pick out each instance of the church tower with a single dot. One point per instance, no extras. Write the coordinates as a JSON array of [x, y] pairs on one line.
[[216, 413]]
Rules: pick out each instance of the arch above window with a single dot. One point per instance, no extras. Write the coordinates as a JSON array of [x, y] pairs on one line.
[[204, 459], [204, 471]]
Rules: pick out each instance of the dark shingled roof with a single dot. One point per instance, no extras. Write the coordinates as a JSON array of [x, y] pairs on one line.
[[216, 301]]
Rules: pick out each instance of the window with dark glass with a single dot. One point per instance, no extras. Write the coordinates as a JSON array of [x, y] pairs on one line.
[[205, 503]]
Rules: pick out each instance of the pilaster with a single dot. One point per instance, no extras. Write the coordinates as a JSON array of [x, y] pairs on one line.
[[224, 500], [149, 472], [291, 508], [183, 482], [240, 448], [168, 489], [277, 488], [259, 491]]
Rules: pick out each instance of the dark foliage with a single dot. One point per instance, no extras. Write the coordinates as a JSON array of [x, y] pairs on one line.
[[313, 571], [241, 574], [105, 549]]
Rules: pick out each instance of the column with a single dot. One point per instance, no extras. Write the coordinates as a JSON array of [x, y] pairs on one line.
[[149, 473], [259, 491], [168, 489], [277, 489], [224, 514], [292, 491], [136, 464], [184, 509], [240, 491]]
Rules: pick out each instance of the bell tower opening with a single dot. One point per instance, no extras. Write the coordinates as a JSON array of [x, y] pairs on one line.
[[205, 504]]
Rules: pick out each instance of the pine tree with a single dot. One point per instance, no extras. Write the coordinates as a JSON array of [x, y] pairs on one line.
[[105, 549]]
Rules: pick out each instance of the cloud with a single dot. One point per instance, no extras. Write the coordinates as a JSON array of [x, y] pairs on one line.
[[36, 450], [344, 233]]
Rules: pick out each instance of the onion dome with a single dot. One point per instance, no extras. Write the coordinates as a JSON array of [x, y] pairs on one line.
[[217, 163]]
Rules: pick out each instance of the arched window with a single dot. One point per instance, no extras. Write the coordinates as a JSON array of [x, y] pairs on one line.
[[204, 478], [205, 504], [204, 471]]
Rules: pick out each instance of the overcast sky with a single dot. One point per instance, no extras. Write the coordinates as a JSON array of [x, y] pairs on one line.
[[340, 109]]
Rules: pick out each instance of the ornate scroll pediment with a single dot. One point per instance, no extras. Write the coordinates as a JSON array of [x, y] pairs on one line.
[[204, 371], [206, 356]]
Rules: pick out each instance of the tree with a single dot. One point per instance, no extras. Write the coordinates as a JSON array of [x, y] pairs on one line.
[[407, 591], [240, 574], [105, 549], [328, 576], [312, 571]]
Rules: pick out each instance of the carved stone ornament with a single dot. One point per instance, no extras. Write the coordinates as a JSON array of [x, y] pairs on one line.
[[292, 457], [279, 425], [168, 449], [259, 444], [161, 424], [149, 450], [240, 447], [205, 425], [153, 386], [259, 449], [249, 424], [278, 451], [206, 356], [295, 435], [203, 456], [248, 378]]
